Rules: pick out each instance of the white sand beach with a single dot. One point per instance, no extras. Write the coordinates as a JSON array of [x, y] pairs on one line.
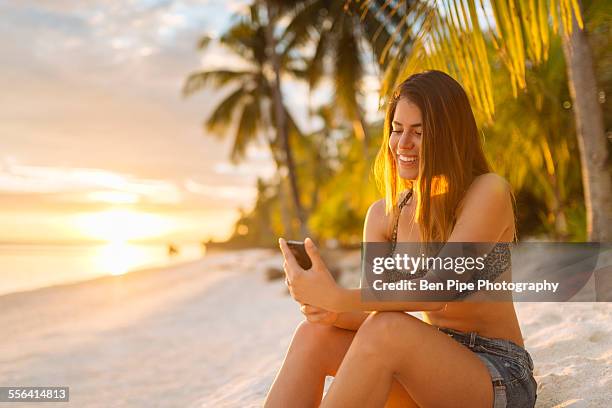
[[212, 333]]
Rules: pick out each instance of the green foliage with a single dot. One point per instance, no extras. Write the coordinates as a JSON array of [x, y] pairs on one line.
[[450, 35], [533, 144], [347, 195], [345, 190], [531, 140]]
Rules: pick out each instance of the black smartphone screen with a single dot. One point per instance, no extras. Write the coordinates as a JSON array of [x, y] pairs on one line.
[[299, 252]]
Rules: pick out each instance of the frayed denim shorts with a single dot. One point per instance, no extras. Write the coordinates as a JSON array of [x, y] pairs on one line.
[[509, 364]]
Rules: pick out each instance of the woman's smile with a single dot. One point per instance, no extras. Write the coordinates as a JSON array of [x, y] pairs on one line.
[[410, 161]]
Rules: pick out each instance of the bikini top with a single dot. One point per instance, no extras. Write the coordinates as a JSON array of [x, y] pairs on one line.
[[496, 262]]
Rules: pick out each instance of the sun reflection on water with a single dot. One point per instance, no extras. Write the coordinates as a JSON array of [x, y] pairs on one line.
[[120, 257]]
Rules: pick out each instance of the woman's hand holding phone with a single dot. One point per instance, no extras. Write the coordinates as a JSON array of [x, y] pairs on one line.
[[314, 286]]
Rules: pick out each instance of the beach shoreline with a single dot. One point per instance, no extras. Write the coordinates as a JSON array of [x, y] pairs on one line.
[[213, 332]]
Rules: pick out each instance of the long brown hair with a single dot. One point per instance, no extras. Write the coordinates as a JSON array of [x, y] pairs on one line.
[[450, 157]]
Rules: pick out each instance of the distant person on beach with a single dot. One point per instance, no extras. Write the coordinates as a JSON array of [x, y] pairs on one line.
[[437, 187]]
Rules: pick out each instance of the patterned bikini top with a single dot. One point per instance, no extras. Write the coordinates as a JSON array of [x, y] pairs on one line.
[[496, 262]]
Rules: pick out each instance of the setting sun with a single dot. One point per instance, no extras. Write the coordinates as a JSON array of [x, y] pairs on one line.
[[118, 257], [120, 225]]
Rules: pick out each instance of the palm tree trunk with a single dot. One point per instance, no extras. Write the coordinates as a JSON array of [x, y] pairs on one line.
[[591, 136], [361, 129], [282, 198], [558, 211], [284, 205], [281, 120]]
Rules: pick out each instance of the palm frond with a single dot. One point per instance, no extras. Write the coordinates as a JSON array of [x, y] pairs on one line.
[[199, 80], [348, 70], [306, 19], [247, 39], [382, 26], [450, 35], [221, 118], [315, 70], [246, 130]]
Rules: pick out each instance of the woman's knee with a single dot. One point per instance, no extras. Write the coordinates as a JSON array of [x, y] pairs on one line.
[[383, 322], [380, 329], [312, 336], [323, 346]]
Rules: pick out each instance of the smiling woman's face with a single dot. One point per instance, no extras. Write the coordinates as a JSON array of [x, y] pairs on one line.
[[405, 138]]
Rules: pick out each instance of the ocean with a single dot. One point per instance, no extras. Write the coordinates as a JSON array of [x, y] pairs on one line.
[[28, 266]]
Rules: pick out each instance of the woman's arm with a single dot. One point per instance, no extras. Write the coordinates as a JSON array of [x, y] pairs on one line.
[[350, 320], [344, 320], [349, 300], [485, 216], [375, 229]]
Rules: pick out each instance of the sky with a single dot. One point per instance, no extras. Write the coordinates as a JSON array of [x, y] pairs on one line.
[[97, 141], [95, 133]]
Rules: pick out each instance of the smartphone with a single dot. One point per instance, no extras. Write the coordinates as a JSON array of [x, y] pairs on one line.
[[299, 252]]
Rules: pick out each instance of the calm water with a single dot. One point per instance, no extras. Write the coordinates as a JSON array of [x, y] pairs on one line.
[[24, 267]]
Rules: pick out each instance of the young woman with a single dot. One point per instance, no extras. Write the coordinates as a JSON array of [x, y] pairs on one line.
[[438, 188]]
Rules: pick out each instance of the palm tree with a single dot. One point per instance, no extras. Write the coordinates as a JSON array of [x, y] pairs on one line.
[[254, 97], [450, 36], [273, 11], [543, 139], [342, 33], [319, 146], [592, 139]]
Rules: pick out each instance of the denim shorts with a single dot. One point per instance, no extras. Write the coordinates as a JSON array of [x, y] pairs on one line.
[[509, 364]]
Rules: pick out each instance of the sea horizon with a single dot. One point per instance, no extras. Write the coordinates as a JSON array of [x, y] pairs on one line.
[[28, 266]]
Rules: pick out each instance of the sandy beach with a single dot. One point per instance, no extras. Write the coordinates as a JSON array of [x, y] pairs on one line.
[[212, 333]]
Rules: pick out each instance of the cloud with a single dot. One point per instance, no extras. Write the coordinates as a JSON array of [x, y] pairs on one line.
[[226, 192], [243, 170], [17, 178], [92, 111]]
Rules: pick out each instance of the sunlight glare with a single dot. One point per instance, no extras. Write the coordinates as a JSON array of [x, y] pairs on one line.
[[113, 197], [119, 257], [121, 225]]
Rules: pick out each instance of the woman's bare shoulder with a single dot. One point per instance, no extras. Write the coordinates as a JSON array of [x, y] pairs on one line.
[[377, 222], [491, 183], [378, 207], [377, 211], [487, 205], [487, 187]]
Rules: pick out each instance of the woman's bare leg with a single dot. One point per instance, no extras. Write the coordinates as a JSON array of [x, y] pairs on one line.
[[434, 369], [316, 351], [399, 397]]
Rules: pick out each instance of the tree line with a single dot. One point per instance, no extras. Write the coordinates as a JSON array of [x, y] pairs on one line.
[[537, 73]]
